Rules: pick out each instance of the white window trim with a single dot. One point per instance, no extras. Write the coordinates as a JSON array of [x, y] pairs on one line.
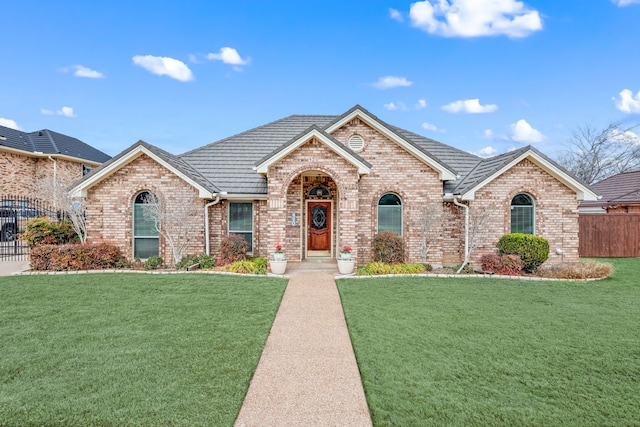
[[133, 226]]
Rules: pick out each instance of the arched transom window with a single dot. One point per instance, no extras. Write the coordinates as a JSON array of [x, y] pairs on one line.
[[522, 214], [390, 213], [146, 242]]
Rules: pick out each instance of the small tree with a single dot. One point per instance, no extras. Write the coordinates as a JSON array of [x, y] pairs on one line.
[[177, 223], [476, 231], [428, 220], [57, 192]]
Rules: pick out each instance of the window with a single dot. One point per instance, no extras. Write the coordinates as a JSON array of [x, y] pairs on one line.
[[241, 221], [146, 242], [522, 214], [390, 213]]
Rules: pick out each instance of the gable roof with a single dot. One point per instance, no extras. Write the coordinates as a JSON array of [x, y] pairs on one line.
[[620, 189], [179, 167], [337, 147], [489, 169], [49, 143]]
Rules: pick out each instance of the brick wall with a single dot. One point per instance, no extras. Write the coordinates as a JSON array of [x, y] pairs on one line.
[[110, 205]]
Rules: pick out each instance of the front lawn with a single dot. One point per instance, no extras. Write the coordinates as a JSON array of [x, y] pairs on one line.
[[434, 351], [130, 349]]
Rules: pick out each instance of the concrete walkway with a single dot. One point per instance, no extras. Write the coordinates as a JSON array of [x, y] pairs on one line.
[[307, 374], [7, 268]]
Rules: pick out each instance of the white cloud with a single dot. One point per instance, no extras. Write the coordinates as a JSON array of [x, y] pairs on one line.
[[432, 127], [622, 3], [395, 15], [524, 132], [228, 55], [8, 123], [627, 102], [82, 71], [475, 18], [421, 104], [471, 106], [389, 82], [64, 111], [393, 106], [488, 133], [163, 66], [486, 152]]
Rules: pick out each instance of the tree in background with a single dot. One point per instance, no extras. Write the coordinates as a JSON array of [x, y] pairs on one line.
[[595, 154], [56, 192]]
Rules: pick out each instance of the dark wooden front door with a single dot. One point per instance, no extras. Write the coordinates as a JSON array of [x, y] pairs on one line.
[[319, 226]]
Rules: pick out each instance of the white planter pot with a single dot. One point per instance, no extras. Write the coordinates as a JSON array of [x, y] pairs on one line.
[[278, 267], [345, 266], [278, 257]]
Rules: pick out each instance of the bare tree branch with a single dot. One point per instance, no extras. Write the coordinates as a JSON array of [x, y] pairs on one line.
[[427, 223], [56, 191], [478, 228], [595, 154], [177, 224]]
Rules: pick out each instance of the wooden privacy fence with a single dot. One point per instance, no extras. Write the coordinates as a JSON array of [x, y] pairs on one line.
[[610, 235]]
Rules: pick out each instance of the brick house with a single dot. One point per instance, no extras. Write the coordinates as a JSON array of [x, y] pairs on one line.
[[27, 159], [315, 183]]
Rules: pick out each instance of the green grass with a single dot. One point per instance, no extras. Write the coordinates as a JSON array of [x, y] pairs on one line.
[[498, 352], [130, 349]]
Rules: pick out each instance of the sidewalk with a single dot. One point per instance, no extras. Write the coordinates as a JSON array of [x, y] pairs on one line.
[[307, 374], [7, 268]]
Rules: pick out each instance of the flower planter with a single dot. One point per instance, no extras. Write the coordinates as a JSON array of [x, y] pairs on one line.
[[278, 256], [278, 266], [345, 266]]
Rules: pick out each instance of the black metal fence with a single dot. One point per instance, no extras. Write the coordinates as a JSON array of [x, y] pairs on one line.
[[15, 213]]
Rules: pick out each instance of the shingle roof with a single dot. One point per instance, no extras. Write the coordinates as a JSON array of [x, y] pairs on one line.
[[52, 143], [620, 189]]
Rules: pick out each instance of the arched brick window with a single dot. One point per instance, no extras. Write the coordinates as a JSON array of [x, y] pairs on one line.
[[523, 214], [146, 241], [390, 213]]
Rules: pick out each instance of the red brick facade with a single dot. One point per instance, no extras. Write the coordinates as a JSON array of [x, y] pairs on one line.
[[354, 202]]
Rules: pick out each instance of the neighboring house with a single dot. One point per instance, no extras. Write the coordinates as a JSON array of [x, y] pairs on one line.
[[316, 183], [29, 159], [610, 227]]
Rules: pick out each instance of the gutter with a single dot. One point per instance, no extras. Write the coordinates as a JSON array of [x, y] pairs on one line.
[[206, 223]]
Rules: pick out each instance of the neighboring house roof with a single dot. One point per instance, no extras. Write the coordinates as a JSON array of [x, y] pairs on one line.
[[236, 166], [50, 143], [622, 189]]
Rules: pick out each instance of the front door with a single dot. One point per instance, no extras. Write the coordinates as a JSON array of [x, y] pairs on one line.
[[318, 226]]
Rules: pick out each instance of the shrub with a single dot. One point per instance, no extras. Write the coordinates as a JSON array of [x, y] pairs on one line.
[[153, 262], [204, 260], [232, 248], [388, 247], [576, 270], [254, 266], [510, 265], [533, 250], [377, 268], [77, 257], [41, 231]]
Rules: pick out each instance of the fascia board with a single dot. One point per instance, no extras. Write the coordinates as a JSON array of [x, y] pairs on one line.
[[39, 155], [444, 174], [582, 192], [263, 168]]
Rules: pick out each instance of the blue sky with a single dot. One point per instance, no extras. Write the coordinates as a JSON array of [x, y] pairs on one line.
[[485, 76]]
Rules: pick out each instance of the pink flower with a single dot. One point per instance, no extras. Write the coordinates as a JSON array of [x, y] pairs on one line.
[[278, 249], [346, 249]]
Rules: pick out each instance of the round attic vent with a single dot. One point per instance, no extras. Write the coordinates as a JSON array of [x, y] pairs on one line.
[[356, 142]]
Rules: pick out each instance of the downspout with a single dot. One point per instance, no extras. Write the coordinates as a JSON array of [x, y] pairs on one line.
[[206, 223], [466, 226], [55, 182]]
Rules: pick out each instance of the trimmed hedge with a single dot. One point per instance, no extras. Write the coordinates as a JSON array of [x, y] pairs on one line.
[[75, 257], [232, 248], [204, 260], [533, 250], [388, 247], [376, 268], [509, 265]]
